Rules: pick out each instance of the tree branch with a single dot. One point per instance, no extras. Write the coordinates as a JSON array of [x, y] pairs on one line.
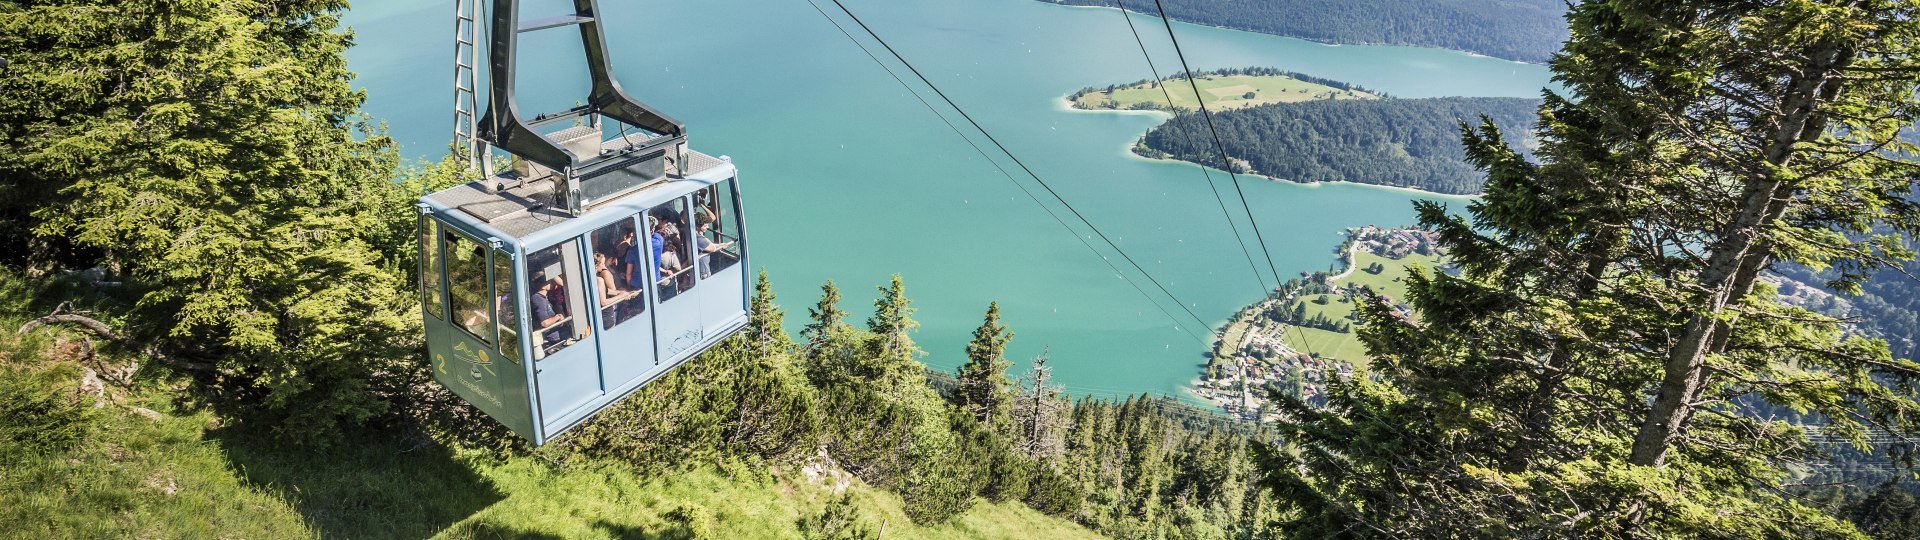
[[106, 332]]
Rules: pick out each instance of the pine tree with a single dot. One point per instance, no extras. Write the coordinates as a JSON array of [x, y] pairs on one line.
[[830, 352], [1038, 412], [1592, 369], [213, 155], [766, 331], [983, 386], [826, 317], [891, 353]]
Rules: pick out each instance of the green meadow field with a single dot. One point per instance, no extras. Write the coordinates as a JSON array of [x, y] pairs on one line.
[[1347, 347], [1221, 92]]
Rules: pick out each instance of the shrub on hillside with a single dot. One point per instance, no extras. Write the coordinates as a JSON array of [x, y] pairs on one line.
[[37, 415], [838, 520], [724, 403]]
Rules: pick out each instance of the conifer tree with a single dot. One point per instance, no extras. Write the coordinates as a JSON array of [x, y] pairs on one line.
[[213, 155], [826, 316], [830, 351], [983, 387], [892, 356], [1596, 367], [1038, 412], [892, 321], [766, 332]]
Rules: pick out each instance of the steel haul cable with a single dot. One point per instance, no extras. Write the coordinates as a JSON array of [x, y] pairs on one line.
[[1203, 168], [1225, 162], [1009, 153]]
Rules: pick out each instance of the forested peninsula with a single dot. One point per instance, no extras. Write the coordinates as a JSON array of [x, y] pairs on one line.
[[1524, 30], [1413, 143]]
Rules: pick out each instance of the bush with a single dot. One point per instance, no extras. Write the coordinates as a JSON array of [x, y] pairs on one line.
[[690, 522], [934, 493], [1053, 493], [724, 403], [839, 520], [37, 417], [906, 446]]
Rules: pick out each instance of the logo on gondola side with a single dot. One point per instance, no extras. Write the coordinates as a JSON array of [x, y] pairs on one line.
[[477, 360], [479, 365]]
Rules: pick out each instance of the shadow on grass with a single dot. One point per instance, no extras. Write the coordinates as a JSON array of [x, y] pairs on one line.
[[491, 531], [367, 486], [629, 532]]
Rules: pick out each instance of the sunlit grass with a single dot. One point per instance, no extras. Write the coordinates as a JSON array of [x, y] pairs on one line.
[[187, 475], [1347, 347], [1222, 92]]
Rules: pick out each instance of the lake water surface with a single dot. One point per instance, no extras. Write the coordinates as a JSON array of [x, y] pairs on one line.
[[848, 178]]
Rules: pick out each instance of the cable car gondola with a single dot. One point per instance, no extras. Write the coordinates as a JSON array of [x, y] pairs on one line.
[[596, 264]]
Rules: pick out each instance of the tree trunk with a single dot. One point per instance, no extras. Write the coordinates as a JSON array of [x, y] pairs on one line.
[[101, 329], [1738, 256]]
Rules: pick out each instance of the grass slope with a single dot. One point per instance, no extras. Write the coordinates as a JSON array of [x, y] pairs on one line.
[[186, 475]]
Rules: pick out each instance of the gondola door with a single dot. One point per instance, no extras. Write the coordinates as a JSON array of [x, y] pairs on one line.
[[621, 267], [676, 319], [566, 356], [720, 247]]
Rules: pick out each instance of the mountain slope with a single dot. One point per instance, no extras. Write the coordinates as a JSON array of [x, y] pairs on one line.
[[1524, 30], [178, 474]]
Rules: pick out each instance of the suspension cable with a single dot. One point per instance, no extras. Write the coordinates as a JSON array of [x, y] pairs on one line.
[[1257, 278], [1023, 188], [1225, 162]]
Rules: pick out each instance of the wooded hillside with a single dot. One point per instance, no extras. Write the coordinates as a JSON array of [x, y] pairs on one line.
[[1524, 30]]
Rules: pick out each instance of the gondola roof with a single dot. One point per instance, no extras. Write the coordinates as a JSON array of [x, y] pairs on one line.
[[527, 209]]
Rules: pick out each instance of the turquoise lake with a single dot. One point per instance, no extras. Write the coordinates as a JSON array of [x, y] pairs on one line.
[[847, 177]]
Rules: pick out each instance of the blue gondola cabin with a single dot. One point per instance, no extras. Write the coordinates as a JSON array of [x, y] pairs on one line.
[[542, 316]]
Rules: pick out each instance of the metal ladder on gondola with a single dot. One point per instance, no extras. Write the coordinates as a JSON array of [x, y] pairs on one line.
[[466, 82]]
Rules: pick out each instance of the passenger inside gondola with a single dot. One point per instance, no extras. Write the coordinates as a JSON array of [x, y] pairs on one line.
[[557, 294], [547, 305], [707, 246], [667, 225], [657, 232], [622, 289], [703, 205], [631, 271], [666, 243], [610, 289], [618, 302]]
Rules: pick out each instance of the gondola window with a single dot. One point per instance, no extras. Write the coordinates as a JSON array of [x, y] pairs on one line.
[[620, 273], [467, 289]]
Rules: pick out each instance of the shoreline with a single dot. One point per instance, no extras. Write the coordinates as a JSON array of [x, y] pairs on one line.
[[1065, 102], [1062, 102], [1263, 356], [1313, 41]]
